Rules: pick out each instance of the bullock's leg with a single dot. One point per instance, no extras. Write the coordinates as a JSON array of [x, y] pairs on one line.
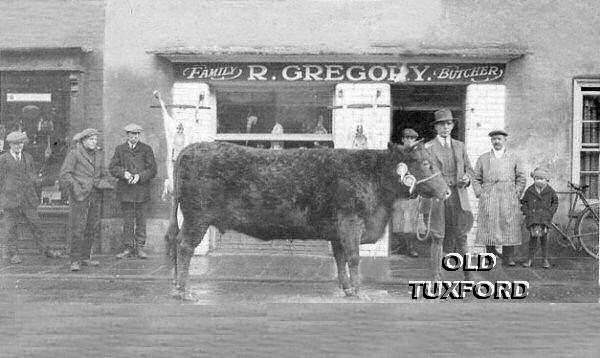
[[192, 234], [437, 232], [172, 241], [350, 229], [340, 261], [436, 257]]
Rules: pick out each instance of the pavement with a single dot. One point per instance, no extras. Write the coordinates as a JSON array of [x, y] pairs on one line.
[[288, 305], [568, 280]]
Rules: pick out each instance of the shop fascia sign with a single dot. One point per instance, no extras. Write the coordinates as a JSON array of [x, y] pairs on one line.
[[342, 72]]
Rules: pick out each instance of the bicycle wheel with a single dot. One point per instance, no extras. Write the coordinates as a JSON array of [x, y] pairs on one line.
[[587, 231]]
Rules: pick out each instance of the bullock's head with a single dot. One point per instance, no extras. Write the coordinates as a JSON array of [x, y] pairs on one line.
[[416, 172]]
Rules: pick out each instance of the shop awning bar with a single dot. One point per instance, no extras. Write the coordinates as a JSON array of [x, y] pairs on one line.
[[378, 53]]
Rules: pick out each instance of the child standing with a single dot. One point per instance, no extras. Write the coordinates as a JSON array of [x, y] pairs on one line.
[[539, 205]]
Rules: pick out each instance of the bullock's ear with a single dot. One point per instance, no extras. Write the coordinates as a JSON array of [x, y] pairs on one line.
[[392, 147], [417, 144]]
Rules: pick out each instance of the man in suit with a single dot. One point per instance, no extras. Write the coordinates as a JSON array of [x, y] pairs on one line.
[[84, 174], [134, 165], [18, 198], [451, 219]]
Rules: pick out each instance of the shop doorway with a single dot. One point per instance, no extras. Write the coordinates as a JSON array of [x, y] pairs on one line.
[[414, 107]]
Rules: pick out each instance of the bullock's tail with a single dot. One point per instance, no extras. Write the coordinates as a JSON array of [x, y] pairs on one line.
[[171, 236]]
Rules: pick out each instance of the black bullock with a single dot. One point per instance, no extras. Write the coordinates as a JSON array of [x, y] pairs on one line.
[[342, 196]]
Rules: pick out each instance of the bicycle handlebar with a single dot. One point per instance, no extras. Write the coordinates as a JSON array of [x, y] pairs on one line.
[[578, 188]]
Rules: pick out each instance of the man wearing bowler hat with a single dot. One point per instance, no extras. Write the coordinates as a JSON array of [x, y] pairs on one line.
[[134, 165], [451, 219], [498, 184], [18, 199]]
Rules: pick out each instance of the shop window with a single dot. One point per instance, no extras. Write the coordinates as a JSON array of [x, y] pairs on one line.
[[37, 103], [275, 117], [587, 135]]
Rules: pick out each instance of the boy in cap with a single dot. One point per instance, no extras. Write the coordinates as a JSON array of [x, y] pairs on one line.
[[134, 165], [18, 198], [84, 175], [405, 210], [539, 204]]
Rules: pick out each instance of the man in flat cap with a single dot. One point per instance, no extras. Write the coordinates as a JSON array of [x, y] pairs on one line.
[[451, 219], [84, 174], [134, 165], [498, 184], [18, 199], [405, 210]]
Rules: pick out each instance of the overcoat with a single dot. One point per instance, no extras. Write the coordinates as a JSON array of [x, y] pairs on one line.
[[539, 208], [82, 171], [498, 183], [463, 165], [17, 188], [139, 160]]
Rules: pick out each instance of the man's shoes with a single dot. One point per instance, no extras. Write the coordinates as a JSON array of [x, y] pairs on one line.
[[546, 264], [15, 259], [53, 254], [527, 263], [413, 253], [125, 254], [511, 263], [90, 263], [75, 266], [141, 254]]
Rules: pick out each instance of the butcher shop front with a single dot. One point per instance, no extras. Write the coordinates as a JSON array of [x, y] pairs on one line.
[[311, 102]]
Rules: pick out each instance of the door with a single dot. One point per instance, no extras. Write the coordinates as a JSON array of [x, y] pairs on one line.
[[38, 104]]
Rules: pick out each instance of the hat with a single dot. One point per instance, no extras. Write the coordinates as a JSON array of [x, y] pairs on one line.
[[443, 115], [540, 173], [133, 128], [16, 137], [84, 134], [498, 132], [409, 132]]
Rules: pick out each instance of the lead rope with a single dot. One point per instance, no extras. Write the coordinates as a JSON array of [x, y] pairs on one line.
[[428, 223]]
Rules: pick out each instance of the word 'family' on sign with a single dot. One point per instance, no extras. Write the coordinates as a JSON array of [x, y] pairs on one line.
[[342, 72]]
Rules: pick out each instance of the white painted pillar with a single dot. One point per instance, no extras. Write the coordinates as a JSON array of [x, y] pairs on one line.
[[376, 123], [199, 126], [485, 111]]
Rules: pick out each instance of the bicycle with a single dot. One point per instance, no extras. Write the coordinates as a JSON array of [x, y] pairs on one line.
[[585, 230]]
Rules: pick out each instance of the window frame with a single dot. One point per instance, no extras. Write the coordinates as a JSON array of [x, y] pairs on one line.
[[579, 84]]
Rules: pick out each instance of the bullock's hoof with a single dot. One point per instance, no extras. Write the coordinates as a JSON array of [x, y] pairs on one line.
[[176, 293], [364, 297], [189, 297], [350, 292]]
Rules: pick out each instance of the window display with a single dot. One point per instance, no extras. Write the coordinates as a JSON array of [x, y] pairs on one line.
[[288, 113]]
